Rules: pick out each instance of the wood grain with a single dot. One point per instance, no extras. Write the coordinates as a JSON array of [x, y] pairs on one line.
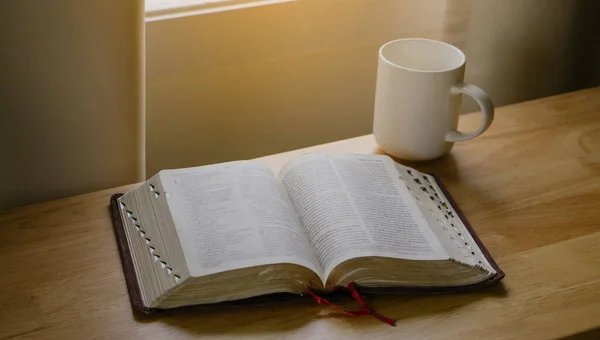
[[529, 186]]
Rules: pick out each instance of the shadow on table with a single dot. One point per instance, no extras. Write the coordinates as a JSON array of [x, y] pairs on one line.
[[456, 182], [587, 335], [283, 313]]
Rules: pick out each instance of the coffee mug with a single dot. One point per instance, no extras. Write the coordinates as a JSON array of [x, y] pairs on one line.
[[417, 99]]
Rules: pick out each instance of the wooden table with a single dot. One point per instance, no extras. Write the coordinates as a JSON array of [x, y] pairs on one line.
[[530, 186]]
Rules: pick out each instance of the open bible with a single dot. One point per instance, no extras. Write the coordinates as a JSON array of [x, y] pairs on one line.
[[237, 230]]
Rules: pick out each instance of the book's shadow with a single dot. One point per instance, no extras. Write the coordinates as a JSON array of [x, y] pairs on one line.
[[287, 313]]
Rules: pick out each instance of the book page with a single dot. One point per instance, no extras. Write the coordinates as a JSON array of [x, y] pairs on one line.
[[234, 215], [356, 205], [443, 219]]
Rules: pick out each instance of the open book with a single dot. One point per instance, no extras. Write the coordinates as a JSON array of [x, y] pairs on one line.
[[236, 230]]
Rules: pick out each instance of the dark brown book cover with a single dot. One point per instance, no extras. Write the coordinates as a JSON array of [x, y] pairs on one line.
[[138, 306]]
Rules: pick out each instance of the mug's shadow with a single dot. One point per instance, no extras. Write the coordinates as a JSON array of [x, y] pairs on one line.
[[463, 183], [279, 317], [444, 167]]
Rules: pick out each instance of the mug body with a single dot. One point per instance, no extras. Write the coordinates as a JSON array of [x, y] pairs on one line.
[[414, 105]]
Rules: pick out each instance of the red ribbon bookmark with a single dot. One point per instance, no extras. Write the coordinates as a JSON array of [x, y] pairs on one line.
[[365, 311]]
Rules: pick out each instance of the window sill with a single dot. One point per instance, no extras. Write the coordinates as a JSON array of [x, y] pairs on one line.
[[169, 9]]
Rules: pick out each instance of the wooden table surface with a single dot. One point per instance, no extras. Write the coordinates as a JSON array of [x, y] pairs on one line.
[[530, 186]]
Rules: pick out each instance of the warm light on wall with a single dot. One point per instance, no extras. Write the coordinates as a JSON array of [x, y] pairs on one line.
[[239, 84]]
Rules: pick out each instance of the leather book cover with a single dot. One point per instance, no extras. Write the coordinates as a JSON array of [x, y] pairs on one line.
[[126, 260], [138, 306]]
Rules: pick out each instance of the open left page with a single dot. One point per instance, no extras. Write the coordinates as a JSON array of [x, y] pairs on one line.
[[234, 215], [356, 206]]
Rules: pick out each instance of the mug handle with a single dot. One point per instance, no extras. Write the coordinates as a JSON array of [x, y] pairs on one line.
[[487, 108]]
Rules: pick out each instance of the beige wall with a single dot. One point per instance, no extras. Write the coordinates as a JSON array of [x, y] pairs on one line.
[[251, 82], [70, 97], [246, 83], [242, 83], [522, 49]]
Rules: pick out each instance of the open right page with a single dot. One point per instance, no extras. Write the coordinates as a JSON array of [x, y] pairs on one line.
[[355, 206], [444, 220]]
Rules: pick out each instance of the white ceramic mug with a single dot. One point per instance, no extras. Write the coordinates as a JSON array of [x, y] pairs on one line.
[[418, 97]]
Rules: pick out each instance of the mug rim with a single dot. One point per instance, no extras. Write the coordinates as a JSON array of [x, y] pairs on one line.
[[439, 42]]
